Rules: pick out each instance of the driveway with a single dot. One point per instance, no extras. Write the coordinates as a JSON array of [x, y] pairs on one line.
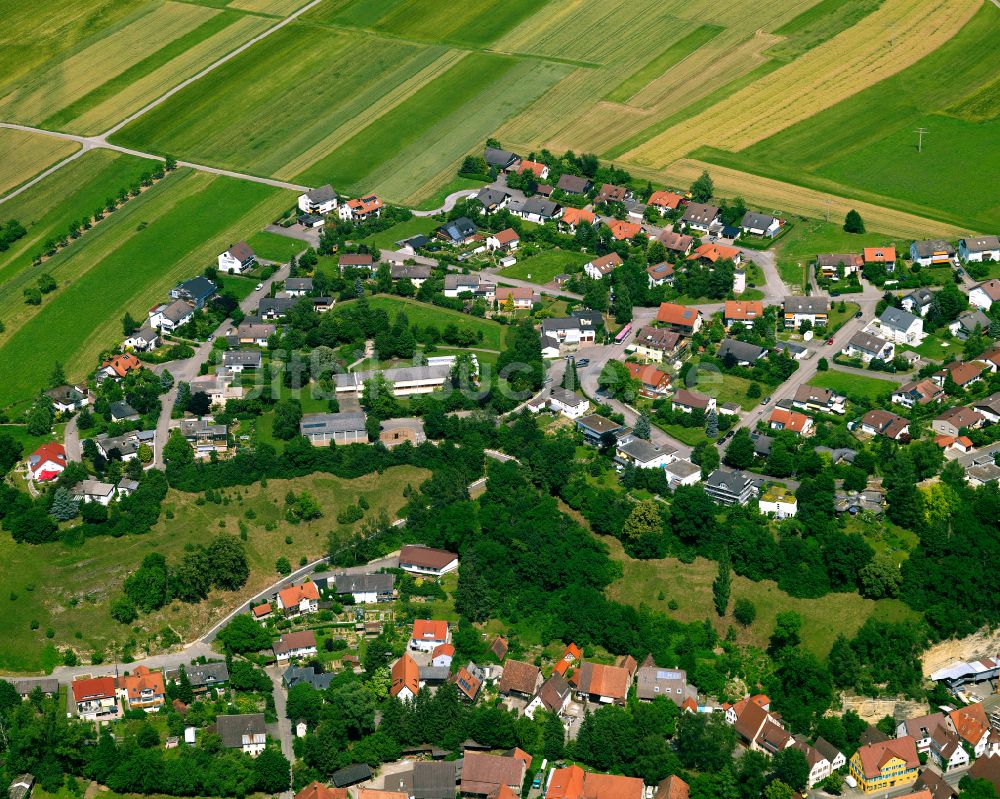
[[282, 728], [309, 235]]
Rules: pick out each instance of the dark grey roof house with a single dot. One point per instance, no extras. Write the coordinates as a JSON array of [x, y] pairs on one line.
[[197, 290], [730, 487], [573, 184], [742, 352], [242, 730], [351, 775], [319, 680], [435, 780], [339, 428], [376, 586], [501, 159], [202, 676]]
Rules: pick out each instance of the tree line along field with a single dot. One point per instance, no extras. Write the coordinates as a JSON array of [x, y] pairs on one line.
[[128, 262], [54, 584], [24, 155]]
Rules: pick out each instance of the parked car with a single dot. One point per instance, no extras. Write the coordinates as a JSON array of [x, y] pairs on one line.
[[829, 341], [729, 435], [259, 287], [583, 362], [858, 315], [765, 400]]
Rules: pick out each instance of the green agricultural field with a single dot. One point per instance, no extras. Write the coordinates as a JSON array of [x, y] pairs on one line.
[[128, 262], [422, 314], [475, 23], [844, 150], [54, 584], [819, 23], [852, 385], [690, 584], [543, 267], [24, 155], [275, 247]]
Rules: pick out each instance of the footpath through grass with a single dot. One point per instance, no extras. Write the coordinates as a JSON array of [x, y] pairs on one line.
[[69, 589]]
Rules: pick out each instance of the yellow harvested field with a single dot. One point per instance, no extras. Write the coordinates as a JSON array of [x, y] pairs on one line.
[[371, 112], [54, 87], [24, 155], [105, 114], [885, 42], [792, 199], [280, 8]]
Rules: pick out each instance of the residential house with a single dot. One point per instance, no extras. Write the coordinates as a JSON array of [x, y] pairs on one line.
[[322, 200], [574, 217], [197, 291], [307, 675], [572, 782], [868, 347], [145, 339], [428, 634], [298, 600], [316, 790], [780, 502], [361, 209], [204, 436], [970, 323], [709, 253], [952, 421], [351, 775], [568, 403], [700, 216], [983, 248], [117, 366], [985, 294], [426, 561], [622, 230], [124, 446], [962, 373], [573, 184], [521, 298], [682, 473], [254, 334], [271, 308], [502, 160], [457, 231], [606, 684], [742, 312], [760, 224], [641, 453], [740, 353], [202, 676], [553, 696], [987, 768], [972, 726], [831, 753], [831, 264], [520, 679], [931, 785], [442, 655], [562, 335], [932, 252], [536, 209], [882, 766], [679, 243], [680, 318], [883, 256], [652, 381], [295, 645], [661, 274], [989, 407], [536, 168], [47, 462], [96, 698], [946, 750], [815, 310], [653, 681], [235, 361], [298, 286], [818, 400], [664, 201], [457, 285], [237, 259], [469, 681], [416, 274], [492, 200], [571, 655], [917, 392], [244, 731], [673, 787], [358, 260], [918, 301], [793, 421], [756, 727], [610, 193], [819, 765], [93, 491], [143, 689], [878, 422], [920, 729], [688, 401], [506, 239], [602, 266], [25, 687], [366, 589], [485, 775], [167, 317], [68, 398], [405, 678], [730, 487], [595, 427], [657, 343]]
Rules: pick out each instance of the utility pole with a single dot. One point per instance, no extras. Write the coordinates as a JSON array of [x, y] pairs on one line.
[[920, 139]]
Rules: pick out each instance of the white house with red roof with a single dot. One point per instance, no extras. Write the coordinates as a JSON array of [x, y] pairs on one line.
[[47, 462], [96, 698], [602, 266], [442, 656], [297, 600], [429, 634], [506, 239], [358, 210]]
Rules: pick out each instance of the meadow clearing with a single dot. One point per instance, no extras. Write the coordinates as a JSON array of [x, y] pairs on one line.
[[422, 314], [172, 231], [272, 247], [545, 266], [54, 584], [23, 155], [853, 385]]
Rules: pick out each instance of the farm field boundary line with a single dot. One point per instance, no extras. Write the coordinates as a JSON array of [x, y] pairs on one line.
[[24, 155], [797, 199]]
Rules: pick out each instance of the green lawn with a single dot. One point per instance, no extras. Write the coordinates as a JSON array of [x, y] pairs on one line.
[[838, 317], [852, 385], [936, 347], [686, 435], [951, 92], [127, 263], [422, 314], [798, 248], [274, 247], [403, 230], [543, 267], [69, 588], [29, 442], [690, 585], [242, 287]]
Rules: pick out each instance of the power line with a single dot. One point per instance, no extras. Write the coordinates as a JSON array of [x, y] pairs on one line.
[[920, 138]]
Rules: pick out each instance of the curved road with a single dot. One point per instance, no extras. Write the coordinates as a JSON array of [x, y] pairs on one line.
[[449, 202]]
